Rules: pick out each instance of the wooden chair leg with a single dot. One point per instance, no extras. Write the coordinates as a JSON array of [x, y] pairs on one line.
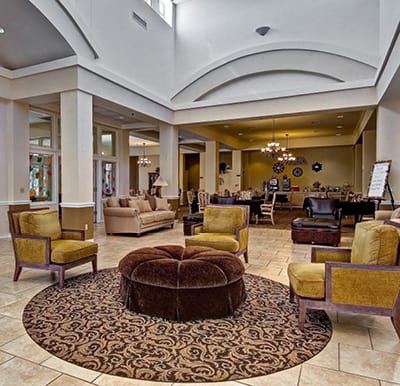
[[17, 272], [396, 314], [246, 256], [61, 276], [291, 294], [94, 265], [302, 314]]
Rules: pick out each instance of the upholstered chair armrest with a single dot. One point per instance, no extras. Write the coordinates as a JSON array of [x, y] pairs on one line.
[[239, 233], [338, 214], [72, 234], [34, 249], [242, 235], [195, 229], [309, 212], [324, 254], [362, 284]]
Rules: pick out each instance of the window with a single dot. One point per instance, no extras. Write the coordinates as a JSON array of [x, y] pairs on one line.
[[164, 8], [108, 139], [40, 177], [108, 179], [40, 129]]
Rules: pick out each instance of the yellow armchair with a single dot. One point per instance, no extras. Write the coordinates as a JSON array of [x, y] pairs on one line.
[[364, 279], [39, 242], [224, 227]]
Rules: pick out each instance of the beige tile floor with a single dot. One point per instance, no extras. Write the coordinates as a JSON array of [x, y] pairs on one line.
[[364, 350]]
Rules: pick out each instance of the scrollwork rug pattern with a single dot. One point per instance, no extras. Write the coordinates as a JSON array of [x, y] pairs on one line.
[[85, 323]]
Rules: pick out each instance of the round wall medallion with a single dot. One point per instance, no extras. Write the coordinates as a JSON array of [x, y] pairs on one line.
[[278, 167], [297, 172], [317, 167]]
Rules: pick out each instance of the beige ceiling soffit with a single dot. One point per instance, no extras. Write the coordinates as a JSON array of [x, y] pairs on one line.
[[214, 135], [362, 123], [388, 53], [84, 34]]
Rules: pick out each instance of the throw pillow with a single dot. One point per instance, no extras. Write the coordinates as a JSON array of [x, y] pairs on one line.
[[161, 203], [112, 201], [152, 200], [134, 204], [124, 202], [144, 206]]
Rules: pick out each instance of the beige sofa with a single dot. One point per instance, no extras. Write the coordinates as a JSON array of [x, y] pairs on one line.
[[136, 215]]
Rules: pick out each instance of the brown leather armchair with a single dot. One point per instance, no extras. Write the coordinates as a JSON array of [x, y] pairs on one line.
[[39, 242], [324, 208]]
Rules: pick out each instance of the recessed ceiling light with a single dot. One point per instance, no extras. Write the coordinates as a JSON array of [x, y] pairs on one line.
[[339, 127], [338, 134], [226, 126], [340, 116], [251, 140], [2, 30], [240, 134]]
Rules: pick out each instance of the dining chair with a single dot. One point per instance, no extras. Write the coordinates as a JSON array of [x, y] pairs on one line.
[[267, 209]]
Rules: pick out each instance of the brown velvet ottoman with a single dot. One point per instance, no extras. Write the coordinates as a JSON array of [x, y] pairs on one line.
[[316, 231], [178, 283]]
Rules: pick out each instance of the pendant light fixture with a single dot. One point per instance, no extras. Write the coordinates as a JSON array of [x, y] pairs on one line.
[[144, 161], [286, 156], [273, 149]]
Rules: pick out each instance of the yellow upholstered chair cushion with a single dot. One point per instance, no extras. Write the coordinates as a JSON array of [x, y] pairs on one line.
[[220, 241], [41, 223], [221, 220], [67, 251], [374, 243], [308, 279]]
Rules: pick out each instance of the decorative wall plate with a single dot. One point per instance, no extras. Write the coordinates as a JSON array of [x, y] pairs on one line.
[[317, 167], [278, 167], [297, 172]]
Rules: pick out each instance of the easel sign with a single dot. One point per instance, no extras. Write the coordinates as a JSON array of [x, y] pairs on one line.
[[379, 180]]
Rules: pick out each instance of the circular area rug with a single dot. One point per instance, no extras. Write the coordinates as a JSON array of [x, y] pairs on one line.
[[85, 323]]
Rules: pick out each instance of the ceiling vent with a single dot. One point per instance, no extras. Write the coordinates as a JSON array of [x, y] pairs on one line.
[[139, 20]]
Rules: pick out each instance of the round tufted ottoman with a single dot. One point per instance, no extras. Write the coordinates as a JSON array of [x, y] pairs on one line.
[[179, 283]]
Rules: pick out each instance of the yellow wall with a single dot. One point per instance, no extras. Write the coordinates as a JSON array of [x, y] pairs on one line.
[[337, 168]]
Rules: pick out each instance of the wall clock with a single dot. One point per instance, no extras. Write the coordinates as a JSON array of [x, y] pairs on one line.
[[278, 167], [297, 172]]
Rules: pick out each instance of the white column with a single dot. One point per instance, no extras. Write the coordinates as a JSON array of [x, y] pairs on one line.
[[358, 170], [368, 158], [169, 153], [202, 171], [14, 148], [123, 163], [212, 167], [76, 149], [387, 142], [236, 170]]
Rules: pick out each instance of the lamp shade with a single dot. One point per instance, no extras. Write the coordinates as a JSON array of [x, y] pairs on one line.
[[160, 181]]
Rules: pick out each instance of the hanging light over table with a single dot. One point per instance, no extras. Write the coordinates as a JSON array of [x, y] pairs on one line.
[[273, 149], [286, 156], [144, 161]]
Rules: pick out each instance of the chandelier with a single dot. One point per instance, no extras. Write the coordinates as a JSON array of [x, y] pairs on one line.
[[144, 161], [286, 156], [273, 149]]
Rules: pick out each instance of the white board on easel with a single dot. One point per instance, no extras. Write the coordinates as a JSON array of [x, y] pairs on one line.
[[379, 180]]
